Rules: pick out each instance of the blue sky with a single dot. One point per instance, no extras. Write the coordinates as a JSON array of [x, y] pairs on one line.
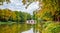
[[18, 6]]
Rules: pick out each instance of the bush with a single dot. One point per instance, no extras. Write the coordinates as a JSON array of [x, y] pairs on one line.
[[52, 28]]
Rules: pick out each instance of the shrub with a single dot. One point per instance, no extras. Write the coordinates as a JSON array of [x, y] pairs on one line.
[[52, 28]]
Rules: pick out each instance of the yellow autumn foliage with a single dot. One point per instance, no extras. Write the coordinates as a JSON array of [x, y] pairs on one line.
[[52, 28], [14, 28]]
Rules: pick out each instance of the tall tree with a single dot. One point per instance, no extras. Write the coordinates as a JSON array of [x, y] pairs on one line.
[[5, 14], [49, 7], [18, 18], [13, 17]]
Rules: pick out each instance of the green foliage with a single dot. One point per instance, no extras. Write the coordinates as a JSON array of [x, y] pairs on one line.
[[24, 16], [17, 16], [29, 17], [46, 24], [47, 16], [49, 10], [52, 28], [14, 16]]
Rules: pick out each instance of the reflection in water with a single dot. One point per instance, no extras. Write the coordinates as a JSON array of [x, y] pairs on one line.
[[30, 31]]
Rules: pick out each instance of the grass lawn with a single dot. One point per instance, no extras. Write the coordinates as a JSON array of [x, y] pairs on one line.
[[7, 22]]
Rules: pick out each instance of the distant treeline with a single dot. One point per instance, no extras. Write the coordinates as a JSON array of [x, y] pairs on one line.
[[14, 16]]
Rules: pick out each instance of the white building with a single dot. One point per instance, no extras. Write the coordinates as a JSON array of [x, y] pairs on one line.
[[31, 22]]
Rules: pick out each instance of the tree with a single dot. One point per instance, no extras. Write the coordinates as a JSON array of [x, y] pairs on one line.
[[17, 16], [23, 16], [13, 17], [48, 10], [1, 1], [5, 14], [29, 17]]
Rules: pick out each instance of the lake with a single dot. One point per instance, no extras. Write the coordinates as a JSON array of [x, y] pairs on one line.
[[30, 31]]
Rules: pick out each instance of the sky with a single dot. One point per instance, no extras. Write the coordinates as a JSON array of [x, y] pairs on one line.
[[17, 5]]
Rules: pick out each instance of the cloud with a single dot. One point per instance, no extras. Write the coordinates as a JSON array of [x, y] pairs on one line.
[[33, 6], [18, 5]]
